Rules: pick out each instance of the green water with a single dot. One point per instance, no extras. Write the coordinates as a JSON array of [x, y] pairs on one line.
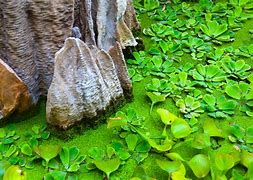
[[100, 136]]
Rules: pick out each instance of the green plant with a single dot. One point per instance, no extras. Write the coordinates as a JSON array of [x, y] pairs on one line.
[[180, 82], [218, 107], [245, 51], [243, 92], [208, 76], [190, 107], [108, 166], [71, 159], [216, 32], [197, 48], [236, 69], [155, 98], [200, 165], [135, 77], [247, 5], [37, 134], [47, 152], [159, 85]]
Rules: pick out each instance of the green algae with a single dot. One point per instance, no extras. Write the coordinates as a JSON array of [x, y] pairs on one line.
[[100, 136]]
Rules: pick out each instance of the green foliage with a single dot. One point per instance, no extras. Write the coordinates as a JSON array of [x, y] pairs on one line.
[[245, 51], [243, 92], [208, 76], [155, 98], [200, 165], [180, 128], [47, 152], [216, 32], [14, 172], [71, 159], [218, 107], [108, 166], [236, 69], [190, 107]]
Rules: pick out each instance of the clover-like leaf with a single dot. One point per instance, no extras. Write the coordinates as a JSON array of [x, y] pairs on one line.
[[155, 98], [108, 166]]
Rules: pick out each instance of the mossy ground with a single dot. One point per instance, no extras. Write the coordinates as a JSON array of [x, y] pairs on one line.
[[100, 136]]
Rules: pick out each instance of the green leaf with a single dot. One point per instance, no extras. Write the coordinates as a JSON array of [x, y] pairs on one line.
[[2, 133], [237, 131], [249, 135], [96, 153], [116, 122], [201, 141], [211, 129], [131, 141], [55, 175], [174, 156], [155, 98], [210, 100], [108, 166], [169, 166], [224, 161], [200, 165], [164, 46], [179, 174], [64, 156], [233, 91], [143, 147], [166, 117], [14, 173], [26, 149], [165, 146], [246, 158], [180, 128], [47, 152]]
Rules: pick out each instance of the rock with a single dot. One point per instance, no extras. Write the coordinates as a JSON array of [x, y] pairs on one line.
[[31, 32], [85, 83], [90, 75], [14, 94], [106, 22]]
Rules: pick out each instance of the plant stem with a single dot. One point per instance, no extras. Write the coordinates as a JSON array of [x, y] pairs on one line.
[[151, 108]]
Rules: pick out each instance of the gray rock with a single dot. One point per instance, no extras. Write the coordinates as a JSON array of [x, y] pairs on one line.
[[85, 82]]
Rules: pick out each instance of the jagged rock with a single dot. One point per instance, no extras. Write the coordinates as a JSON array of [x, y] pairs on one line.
[[106, 22], [85, 83], [31, 32], [14, 94]]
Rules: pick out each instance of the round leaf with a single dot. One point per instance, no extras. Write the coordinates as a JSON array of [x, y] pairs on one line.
[[200, 165], [180, 128]]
